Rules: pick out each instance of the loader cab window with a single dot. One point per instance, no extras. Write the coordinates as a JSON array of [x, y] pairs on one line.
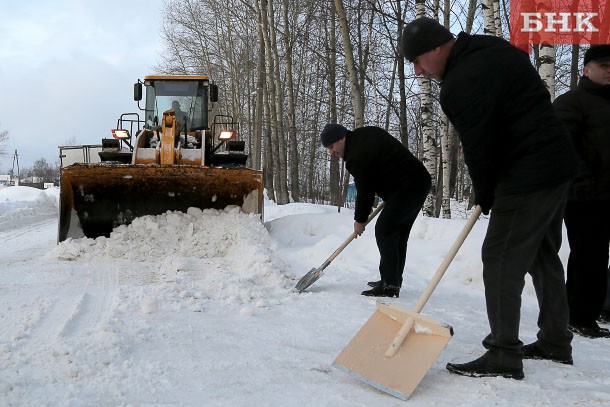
[[190, 96]]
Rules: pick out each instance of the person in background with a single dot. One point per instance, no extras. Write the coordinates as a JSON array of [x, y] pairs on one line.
[[520, 159], [181, 116], [586, 112], [382, 165]]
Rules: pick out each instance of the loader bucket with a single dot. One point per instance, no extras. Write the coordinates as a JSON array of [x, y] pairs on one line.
[[95, 198]]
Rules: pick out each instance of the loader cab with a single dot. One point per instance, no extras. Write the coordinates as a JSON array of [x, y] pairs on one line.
[[191, 93]]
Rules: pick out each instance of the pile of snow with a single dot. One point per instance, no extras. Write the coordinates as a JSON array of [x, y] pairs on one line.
[[223, 254], [25, 204]]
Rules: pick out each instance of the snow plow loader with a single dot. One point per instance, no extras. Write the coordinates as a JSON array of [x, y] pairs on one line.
[[178, 160]]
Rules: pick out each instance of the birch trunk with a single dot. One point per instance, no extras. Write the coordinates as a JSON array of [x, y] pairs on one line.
[[429, 155], [350, 65], [292, 129], [258, 115], [547, 67], [270, 99], [388, 109], [268, 142], [488, 17], [497, 17], [331, 57], [282, 170], [446, 143], [472, 8], [574, 72], [402, 109]]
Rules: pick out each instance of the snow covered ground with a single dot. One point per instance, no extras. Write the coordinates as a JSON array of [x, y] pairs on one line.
[[198, 309]]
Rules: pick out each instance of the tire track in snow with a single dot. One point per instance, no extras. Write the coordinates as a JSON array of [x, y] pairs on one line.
[[28, 242], [27, 228], [94, 307], [79, 306]]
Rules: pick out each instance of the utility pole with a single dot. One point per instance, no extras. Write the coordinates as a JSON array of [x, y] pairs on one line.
[[12, 171]]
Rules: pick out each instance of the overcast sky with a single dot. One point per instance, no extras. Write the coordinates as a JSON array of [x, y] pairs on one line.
[[67, 69]]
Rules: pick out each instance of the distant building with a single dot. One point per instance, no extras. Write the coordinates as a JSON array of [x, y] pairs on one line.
[[8, 180]]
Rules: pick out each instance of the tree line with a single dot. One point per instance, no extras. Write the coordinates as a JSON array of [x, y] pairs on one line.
[[287, 67]]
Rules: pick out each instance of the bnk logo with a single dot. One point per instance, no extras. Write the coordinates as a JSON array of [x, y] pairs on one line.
[[559, 22], [564, 22]]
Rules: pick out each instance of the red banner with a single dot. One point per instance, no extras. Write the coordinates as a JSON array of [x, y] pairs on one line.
[[559, 22]]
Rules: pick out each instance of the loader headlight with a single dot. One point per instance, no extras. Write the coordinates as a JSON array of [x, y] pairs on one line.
[[120, 134], [227, 135]]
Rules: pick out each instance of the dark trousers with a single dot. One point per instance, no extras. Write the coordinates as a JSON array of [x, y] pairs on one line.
[[392, 232], [524, 236], [588, 226]]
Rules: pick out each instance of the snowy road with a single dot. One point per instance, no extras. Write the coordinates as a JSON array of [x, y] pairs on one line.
[[198, 309]]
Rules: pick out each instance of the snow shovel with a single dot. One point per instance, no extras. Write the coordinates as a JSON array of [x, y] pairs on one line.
[[395, 348], [315, 273]]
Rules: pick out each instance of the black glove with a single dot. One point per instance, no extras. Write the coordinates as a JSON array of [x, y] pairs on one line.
[[485, 209], [484, 201]]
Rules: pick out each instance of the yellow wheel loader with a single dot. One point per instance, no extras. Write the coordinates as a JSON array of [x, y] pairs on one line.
[[180, 159]]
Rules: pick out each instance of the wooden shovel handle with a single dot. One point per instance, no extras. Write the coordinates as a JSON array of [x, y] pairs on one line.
[[351, 237], [406, 327]]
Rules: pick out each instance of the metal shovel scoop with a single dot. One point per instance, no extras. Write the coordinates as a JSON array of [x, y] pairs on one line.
[[315, 273]]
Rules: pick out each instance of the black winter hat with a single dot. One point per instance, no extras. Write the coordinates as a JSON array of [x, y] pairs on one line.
[[422, 35], [597, 53], [332, 133]]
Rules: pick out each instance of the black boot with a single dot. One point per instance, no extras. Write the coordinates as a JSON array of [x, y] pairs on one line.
[[534, 351], [376, 283], [383, 290], [483, 367], [604, 317], [590, 330]]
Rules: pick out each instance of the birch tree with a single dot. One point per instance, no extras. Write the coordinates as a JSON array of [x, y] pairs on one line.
[[292, 130], [400, 58], [547, 67], [350, 63], [260, 87], [284, 76], [427, 128], [331, 58], [497, 17], [447, 133], [275, 106], [489, 17], [278, 104]]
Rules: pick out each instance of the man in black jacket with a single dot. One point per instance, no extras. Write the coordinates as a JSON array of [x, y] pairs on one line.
[[381, 165], [586, 112], [520, 160]]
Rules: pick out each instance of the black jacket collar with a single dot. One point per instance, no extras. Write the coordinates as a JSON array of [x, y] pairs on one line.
[[588, 85]]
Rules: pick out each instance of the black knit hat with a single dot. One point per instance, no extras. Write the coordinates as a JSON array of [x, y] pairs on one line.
[[332, 133], [597, 53], [422, 35]]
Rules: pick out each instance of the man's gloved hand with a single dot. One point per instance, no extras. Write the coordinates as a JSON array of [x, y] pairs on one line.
[[485, 209], [484, 201]]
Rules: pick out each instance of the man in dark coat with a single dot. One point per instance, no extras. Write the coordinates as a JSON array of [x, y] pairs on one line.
[[586, 112], [520, 160], [382, 165]]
